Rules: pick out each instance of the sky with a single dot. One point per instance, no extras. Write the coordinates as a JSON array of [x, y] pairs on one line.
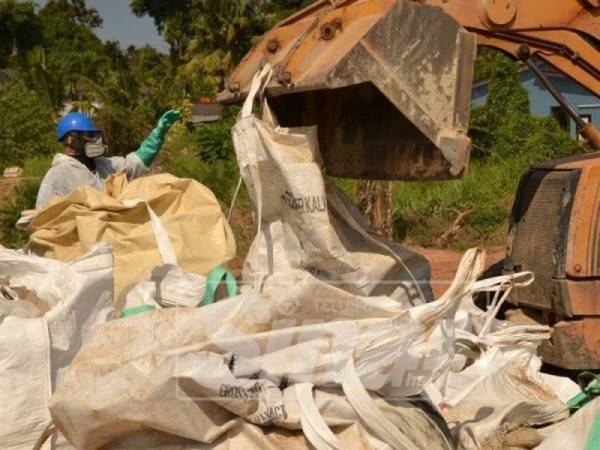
[[122, 25]]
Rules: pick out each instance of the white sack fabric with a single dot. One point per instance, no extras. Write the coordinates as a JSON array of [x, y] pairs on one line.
[[198, 372], [306, 222], [574, 434], [494, 378], [34, 351], [327, 346], [261, 367]]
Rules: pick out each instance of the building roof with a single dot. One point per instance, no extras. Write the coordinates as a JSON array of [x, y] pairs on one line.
[[206, 112]]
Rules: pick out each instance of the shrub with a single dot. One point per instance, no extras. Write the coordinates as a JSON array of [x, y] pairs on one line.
[[206, 154], [37, 166], [26, 126], [124, 128]]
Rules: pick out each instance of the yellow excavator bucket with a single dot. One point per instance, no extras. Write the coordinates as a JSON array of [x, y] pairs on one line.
[[388, 82]]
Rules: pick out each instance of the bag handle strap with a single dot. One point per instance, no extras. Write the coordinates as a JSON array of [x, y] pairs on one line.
[[165, 248], [48, 432], [313, 426], [212, 283], [367, 236], [502, 287], [256, 88], [163, 242], [133, 310], [259, 82], [369, 412], [519, 279]]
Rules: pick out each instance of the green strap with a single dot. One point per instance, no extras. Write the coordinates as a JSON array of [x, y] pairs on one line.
[[593, 439], [589, 390], [212, 283], [137, 310]]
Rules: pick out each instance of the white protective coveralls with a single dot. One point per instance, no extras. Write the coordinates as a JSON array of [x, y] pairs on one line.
[[67, 174]]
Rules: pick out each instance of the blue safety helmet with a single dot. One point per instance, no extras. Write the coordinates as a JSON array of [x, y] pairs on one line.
[[74, 121]]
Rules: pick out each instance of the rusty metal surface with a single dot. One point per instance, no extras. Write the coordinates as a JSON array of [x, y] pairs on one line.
[[390, 97], [583, 296], [584, 239], [363, 135], [583, 249], [571, 162], [572, 15], [538, 234], [574, 344]]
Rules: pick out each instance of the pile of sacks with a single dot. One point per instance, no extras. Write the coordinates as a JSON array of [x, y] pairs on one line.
[[333, 342], [149, 222]]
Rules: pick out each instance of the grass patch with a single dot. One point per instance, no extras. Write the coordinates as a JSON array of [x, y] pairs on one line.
[[37, 166], [423, 211], [346, 185]]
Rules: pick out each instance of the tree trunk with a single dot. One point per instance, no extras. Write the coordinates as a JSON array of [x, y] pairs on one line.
[[15, 49], [374, 200]]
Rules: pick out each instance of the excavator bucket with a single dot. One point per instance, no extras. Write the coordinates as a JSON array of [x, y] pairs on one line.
[[388, 82]]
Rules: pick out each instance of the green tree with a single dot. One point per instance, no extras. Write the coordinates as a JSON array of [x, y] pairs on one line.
[[209, 37], [75, 11], [26, 126], [486, 61], [20, 29], [155, 75], [505, 128], [66, 58]]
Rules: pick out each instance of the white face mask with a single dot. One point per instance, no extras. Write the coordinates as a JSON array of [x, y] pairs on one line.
[[94, 147]]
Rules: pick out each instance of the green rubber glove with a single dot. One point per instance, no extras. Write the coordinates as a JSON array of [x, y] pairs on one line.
[[152, 144]]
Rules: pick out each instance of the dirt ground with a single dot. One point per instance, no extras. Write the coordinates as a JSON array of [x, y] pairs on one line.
[[443, 265], [445, 262], [7, 192], [7, 187]]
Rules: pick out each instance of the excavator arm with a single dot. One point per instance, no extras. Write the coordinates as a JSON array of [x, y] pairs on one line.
[[564, 33], [388, 82]]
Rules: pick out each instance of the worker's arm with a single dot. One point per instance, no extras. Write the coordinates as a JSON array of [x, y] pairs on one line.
[[137, 163], [152, 144]]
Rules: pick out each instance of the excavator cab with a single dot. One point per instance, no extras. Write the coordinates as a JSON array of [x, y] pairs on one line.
[[387, 82]]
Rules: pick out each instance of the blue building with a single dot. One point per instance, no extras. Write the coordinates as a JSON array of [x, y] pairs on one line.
[[586, 103]]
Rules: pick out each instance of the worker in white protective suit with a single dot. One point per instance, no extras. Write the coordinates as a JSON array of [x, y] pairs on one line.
[[83, 162]]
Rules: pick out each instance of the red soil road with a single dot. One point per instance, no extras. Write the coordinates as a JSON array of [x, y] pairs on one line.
[[445, 262]]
